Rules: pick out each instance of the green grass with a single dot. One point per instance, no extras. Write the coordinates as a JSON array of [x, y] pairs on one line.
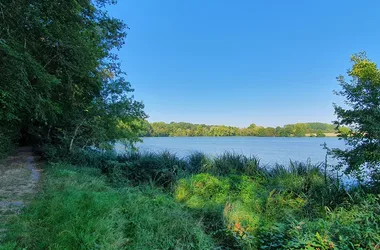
[[78, 209], [161, 201], [257, 215]]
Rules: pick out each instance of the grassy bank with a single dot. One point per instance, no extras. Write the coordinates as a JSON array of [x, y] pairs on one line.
[[159, 201], [79, 209]]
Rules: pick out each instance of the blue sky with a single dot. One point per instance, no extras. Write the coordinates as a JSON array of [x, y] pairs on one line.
[[241, 62]]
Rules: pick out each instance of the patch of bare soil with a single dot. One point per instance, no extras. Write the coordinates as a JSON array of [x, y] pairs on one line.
[[19, 176]]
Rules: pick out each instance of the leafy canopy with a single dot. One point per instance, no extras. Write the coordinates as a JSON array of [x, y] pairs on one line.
[[361, 113], [61, 82]]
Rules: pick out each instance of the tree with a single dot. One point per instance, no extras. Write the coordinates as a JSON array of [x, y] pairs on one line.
[[61, 82], [362, 115], [344, 130], [320, 133], [189, 129], [270, 132], [299, 129], [285, 131]]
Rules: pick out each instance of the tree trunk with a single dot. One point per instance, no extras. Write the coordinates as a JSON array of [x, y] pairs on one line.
[[75, 135]]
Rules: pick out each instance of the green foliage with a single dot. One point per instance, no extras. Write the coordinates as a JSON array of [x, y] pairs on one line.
[[197, 161], [60, 82], [233, 163], [294, 207], [202, 191], [342, 228], [362, 115], [299, 129], [299, 206], [307, 181], [356, 227], [79, 210], [344, 131], [6, 138], [159, 169], [320, 133], [161, 129]]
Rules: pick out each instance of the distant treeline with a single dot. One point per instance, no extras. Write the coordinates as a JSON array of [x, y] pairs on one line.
[[161, 129]]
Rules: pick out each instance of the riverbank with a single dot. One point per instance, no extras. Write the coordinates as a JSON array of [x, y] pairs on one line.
[[80, 209], [159, 201], [180, 129]]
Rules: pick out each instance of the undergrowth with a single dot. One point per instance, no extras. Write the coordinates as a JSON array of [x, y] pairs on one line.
[[161, 201], [80, 210]]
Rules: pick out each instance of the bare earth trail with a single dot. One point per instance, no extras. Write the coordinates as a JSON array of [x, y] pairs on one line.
[[19, 176]]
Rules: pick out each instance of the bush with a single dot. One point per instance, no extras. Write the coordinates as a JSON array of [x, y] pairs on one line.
[[356, 227], [274, 213], [202, 191], [242, 222], [7, 139], [320, 133], [351, 228], [309, 182]]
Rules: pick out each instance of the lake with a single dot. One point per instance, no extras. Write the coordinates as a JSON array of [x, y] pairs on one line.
[[269, 149]]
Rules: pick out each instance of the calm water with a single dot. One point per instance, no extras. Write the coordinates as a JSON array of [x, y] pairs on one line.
[[270, 150]]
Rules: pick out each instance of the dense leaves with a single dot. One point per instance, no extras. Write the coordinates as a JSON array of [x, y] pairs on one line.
[[60, 81], [362, 114]]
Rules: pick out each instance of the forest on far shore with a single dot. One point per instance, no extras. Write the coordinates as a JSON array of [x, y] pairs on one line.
[[162, 129]]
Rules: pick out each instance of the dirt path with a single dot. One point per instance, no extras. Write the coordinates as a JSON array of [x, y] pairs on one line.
[[19, 176]]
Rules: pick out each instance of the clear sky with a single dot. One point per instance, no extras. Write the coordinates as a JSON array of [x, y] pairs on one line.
[[239, 62]]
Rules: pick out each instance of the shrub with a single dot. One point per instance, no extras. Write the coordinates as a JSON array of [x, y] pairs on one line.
[[342, 228], [202, 191], [309, 182], [242, 222], [356, 227], [320, 133], [282, 206], [260, 217], [7, 138]]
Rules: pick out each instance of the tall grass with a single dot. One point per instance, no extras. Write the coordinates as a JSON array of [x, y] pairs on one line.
[[79, 210], [233, 198], [159, 169]]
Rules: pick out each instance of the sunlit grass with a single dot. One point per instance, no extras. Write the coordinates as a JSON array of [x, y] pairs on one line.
[[162, 201], [78, 209]]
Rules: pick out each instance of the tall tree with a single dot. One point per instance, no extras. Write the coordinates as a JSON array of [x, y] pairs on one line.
[[299, 129], [62, 82], [361, 113]]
